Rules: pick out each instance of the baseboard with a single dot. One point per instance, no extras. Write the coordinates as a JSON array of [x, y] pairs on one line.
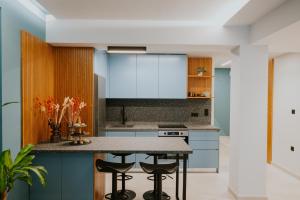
[[246, 197], [285, 170]]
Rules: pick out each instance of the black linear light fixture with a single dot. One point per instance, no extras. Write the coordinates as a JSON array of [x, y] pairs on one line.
[[126, 49]]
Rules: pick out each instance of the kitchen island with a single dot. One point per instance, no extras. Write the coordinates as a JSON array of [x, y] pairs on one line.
[[72, 173]]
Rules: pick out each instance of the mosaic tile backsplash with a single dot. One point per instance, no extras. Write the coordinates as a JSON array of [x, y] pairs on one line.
[[159, 110]]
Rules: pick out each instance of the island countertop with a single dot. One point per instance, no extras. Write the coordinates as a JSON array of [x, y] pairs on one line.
[[121, 145]]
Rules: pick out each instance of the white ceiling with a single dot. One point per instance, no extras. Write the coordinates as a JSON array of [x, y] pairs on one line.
[[284, 41], [204, 12], [253, 11]]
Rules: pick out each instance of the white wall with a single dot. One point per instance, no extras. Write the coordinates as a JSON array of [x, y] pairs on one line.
[[248, 126], [286, 127]]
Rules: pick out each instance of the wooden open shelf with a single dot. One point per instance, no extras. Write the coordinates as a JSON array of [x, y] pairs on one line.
[[198, 85]]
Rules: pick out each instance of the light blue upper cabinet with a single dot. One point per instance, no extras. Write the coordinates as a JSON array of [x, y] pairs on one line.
[[147, 76], [122, 76], [172, 76]]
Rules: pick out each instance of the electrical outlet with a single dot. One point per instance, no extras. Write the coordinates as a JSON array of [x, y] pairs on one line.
[[193, 114], [292, 148], [293, 111], [206, 113]]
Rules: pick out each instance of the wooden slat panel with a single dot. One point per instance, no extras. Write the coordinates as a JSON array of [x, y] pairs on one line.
[[99, 179], [74, 77], [37, 81], [270, 110]]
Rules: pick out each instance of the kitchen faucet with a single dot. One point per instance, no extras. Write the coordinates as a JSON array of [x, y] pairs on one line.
[[123, 115]]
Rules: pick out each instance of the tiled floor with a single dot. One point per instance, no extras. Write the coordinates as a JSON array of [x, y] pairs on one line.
[[212, 186]]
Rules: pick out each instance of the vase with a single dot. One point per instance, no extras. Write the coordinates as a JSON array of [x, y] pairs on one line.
[[55, 130], [4, 196]]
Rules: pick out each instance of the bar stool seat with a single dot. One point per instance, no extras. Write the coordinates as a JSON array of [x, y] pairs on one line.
[[158, 170], [127, 194], [114, 168]]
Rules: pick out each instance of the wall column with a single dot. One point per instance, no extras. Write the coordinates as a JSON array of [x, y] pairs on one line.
[[248, 126]]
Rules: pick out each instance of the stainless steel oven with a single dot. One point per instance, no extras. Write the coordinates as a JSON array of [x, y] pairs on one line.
[[173, 130]]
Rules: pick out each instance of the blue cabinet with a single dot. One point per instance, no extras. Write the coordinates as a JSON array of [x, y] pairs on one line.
[[172, 76], [66, 173], [112, 158], [122, 76], [147, 76], [205, 145]]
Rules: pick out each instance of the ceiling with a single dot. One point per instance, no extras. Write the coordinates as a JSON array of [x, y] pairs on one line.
[[246, 16], [285, 40], [204, 12]]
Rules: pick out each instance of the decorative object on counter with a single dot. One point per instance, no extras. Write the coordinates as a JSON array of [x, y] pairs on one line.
[[74, 110], [201, 71], [11, 171], [54, 115], [78, 135]]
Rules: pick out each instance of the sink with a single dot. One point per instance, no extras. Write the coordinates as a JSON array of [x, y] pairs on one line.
[[122, 125]]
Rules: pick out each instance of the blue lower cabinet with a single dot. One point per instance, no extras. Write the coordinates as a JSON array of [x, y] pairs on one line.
[[77, 176], [70, 176], [204, 159], [146, 134], [53, 190]]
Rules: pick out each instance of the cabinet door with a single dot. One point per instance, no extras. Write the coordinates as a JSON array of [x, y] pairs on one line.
[[77, 176], [122, 76], [172, 76], [52, 162], [204, 159], [147, 76], [117, 159]]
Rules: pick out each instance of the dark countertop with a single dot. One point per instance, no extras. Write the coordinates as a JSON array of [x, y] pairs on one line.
[[153, 126], [121, 145]]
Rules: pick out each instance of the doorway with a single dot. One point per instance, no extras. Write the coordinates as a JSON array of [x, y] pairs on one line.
[[222, 100]]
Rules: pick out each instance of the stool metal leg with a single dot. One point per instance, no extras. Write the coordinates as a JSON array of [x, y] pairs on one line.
[[114, 192]]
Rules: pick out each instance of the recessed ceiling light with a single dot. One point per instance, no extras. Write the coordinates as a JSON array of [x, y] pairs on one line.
[[126, 49]]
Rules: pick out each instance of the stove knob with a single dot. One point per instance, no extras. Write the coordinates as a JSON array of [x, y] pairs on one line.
[[165, 133]]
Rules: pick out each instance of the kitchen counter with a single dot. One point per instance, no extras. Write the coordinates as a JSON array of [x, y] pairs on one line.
[[121, 145], [153, 126]]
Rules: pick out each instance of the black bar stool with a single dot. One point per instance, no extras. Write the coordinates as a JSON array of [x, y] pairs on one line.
[[158, 170], [127, 194], [151, 193], [114, 168]]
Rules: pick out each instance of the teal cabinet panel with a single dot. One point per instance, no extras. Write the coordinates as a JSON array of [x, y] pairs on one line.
[[53, 190], [66, 173], [204, 159], [120, 134], [146, 134], [172, 76], [203, 135], [147, 76], [76, 168], [122, 76], [213, 144]]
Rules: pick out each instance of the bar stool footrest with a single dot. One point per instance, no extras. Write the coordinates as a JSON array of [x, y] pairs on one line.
[[149, 195], [127, 177]]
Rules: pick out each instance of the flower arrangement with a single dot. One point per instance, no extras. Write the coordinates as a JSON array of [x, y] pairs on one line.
[[74, 110], [55, 113]]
